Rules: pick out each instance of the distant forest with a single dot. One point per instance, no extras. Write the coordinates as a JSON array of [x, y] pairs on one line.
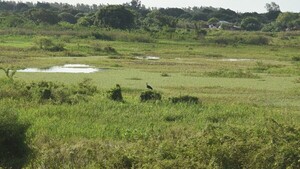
[[134, 15]]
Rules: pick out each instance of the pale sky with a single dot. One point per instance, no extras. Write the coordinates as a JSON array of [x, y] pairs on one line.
[[236, 5]]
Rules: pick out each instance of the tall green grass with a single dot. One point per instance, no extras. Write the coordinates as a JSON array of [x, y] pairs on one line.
[[104, 133]]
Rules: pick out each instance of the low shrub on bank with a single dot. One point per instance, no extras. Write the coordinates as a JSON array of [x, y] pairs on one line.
[[240, 39], [150, 96], [115, 94], [47, 91], [185, 99]]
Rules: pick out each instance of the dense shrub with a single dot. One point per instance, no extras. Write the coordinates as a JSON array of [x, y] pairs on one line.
[[110, 49], [241, 39], [12, 89], [256, 40], [122, 36], [296, 58], [101, 36], [165, 75], [46, 43], [185, 99], [150, 96], [47, 91], [13, 149], [86, 87], [107, 49], [115, 94]]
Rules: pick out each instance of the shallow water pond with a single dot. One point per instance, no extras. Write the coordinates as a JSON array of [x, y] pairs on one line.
[[67, 68]]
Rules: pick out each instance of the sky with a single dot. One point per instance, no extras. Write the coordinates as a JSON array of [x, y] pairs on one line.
[[236, 5]]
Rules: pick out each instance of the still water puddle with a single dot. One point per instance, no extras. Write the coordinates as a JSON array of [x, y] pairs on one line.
[[237, 60], [67, 68], [148, 58]]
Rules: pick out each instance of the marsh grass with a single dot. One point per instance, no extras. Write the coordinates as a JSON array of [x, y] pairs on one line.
[[246, 120], [232, 74], [296, 58], [297, 80], [175, 130]]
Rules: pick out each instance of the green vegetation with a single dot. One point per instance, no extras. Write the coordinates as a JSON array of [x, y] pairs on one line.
[[135, 16], [150, 96], [236, 93], [115, 93], [14, 152], [185, 99]]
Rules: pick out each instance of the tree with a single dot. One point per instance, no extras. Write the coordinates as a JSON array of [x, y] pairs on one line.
[[115, 16], [225, 15], [43, 5], [273, 11], [14, 21], [251, 24], [174, 12], [159, 20], [287, 20], [199, 16], [7, 6], [296, 24], [135, 4], [43, 16], [67, 17], [84, 21], [272, 7], [21, 7], [213, 21]]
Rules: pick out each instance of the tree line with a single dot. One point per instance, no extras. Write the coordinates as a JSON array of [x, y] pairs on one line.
[[134, 15]]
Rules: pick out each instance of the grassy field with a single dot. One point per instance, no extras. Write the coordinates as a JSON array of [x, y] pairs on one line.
[[248, 116]]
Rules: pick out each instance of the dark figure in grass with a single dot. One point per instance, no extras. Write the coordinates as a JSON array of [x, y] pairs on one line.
[[116, 93], [148, 86]]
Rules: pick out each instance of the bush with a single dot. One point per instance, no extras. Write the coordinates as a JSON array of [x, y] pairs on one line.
[[256, 40], [110, 49], [58, 93], [101, 36], [12, 89], [115, 94], [43, 42], [47, 91], [13, 149], [122, 36], [165, 75], [185, 99], [46, 43], [296, 58], [150, 96], [241, 39], [86, 87], [57, 47]]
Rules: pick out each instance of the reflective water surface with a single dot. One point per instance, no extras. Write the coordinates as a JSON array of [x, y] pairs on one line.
[[67, 68]]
